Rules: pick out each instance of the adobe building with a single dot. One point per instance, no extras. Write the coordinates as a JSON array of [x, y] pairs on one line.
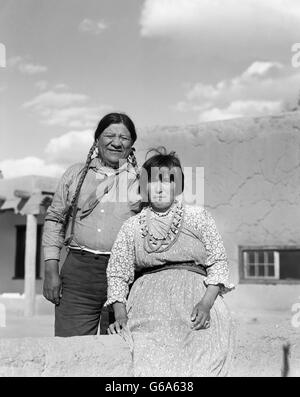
[[23, 203]]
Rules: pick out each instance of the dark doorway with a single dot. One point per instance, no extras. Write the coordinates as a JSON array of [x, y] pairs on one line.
[[20, 251]]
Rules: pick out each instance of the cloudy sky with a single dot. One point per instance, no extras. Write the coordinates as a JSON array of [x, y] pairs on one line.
[[164, 62]]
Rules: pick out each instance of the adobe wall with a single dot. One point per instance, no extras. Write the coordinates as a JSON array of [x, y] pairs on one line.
[[251, 186]]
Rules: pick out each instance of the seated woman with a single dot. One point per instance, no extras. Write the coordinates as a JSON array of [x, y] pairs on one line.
[[175, 311]]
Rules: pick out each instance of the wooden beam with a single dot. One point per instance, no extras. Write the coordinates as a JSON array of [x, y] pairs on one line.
[[30, 258], [22, 194]]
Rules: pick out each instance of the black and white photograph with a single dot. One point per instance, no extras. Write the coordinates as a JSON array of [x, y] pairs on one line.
[[149, 191]]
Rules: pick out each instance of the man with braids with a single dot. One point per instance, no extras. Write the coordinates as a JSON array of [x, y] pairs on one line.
[[90, 204]]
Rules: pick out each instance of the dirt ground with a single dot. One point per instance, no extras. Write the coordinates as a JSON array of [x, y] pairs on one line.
[[259, 344], [260, 338]]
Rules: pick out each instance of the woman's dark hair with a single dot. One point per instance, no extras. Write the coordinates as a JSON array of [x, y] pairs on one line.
[[106, 121], [156, 163], [116, 118]]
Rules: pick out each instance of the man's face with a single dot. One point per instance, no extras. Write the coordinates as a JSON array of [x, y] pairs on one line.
[[114, 144]]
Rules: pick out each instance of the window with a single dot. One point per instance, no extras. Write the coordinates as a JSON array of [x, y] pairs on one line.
[[20, 251], [274, 264]]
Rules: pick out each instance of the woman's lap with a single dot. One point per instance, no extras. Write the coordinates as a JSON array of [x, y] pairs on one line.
[[159, 310]]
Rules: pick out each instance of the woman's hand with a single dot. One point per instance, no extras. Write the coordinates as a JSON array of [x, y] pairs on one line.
[[201, 313], [200, 316], [120, 318]]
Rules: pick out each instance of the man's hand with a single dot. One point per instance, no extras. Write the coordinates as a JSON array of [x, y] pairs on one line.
[[52, 288], [120, 318]]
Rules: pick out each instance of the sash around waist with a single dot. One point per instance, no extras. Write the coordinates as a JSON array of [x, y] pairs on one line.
[[191, 266]]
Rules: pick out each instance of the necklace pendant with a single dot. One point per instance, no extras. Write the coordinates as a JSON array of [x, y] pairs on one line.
[[169, 237]]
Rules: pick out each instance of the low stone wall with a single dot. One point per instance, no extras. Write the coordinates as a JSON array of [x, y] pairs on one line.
[[259, 352], [61, 357]]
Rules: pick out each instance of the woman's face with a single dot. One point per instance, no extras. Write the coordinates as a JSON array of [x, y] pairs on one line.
[[161, 190], [114, 144]]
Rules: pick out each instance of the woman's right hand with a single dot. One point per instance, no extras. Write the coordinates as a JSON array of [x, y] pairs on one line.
[[120, 318], [116, 327]]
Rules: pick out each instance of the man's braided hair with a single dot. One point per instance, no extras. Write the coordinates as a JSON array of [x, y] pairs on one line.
[[106, 121]]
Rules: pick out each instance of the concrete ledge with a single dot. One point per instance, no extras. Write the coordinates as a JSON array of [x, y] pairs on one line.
[[105, 355]]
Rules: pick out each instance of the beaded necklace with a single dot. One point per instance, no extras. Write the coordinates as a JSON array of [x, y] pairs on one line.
[[162, 215], [156, 244]]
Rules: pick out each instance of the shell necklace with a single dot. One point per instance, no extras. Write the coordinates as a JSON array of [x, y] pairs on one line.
[[153, 243]]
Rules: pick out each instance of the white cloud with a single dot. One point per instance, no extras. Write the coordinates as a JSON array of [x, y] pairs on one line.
[[26, 67], [31, 69], [66, 109], [76, 117], [61, 86], [41, 85], [14, 61], [262, 69], [241, 109], [180, 17], [93, 27], [263, 88], [29, 166], [50, 99], [223, 32], [60, 153], [69, 148]]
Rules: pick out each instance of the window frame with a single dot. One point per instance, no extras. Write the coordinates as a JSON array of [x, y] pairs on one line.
[[265, 280]]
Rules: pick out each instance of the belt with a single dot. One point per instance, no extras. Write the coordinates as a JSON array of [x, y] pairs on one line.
[[84, 251], [190, 265]]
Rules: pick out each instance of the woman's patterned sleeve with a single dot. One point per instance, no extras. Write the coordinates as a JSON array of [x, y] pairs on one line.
[[120, 268], [216, 259]]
